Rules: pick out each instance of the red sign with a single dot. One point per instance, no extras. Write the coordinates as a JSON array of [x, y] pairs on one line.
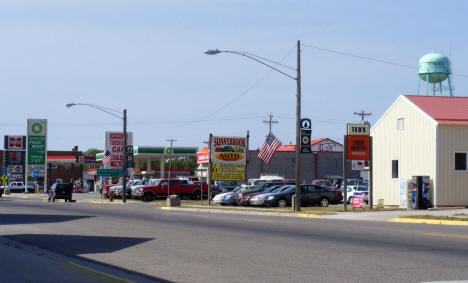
[[358, 201], [203, 156], [14, 142], [358, 147]]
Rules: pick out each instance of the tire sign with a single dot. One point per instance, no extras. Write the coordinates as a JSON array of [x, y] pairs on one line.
[[306, 132]]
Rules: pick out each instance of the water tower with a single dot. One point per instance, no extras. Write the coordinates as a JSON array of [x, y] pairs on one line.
[[434, 69]]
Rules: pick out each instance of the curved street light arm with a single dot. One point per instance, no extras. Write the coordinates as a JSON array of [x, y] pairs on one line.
[[96, 107], [259, 61]]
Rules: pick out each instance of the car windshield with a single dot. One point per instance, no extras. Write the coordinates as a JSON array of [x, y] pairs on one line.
[[323, 183], [153, 182], [287, 189], [362, 189]]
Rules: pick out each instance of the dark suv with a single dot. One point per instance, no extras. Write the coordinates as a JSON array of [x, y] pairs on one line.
[[61, 191]]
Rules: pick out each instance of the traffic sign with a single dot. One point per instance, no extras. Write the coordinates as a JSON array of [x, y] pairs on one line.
[[4, 170], [109, 172], [4, 180], [35, 174]]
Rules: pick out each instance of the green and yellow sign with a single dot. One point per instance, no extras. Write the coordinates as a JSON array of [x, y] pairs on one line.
[[37, 142], [222, 172]]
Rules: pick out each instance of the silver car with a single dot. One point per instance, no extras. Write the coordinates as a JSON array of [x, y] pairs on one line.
[[231, 197]]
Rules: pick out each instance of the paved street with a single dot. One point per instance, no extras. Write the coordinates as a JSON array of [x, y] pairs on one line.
[[186, 246]]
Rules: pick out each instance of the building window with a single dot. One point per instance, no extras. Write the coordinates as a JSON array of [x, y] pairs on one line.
[[460, 161], [401, 124], [394, 169], [53, 166], [67, 166]]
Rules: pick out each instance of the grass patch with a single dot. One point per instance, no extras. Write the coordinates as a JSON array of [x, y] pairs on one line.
[[434, 217], [461, 214]]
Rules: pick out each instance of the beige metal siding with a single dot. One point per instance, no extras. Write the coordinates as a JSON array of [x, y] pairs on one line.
[[414, 148], [453, 186]]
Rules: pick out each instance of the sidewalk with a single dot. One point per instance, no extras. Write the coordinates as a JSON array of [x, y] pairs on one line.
[[45, 266]]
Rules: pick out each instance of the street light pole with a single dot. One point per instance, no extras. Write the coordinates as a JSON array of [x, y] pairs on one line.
[[261, 60], [124, 163]]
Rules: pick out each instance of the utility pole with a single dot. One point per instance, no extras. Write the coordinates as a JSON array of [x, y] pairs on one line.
[[363, 116], [297, 206], [270, 121], [170, 167]]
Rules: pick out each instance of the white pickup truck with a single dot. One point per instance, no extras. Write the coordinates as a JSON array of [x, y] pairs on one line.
[[18, 187]]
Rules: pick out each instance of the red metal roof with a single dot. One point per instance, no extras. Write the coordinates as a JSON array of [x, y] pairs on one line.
[[446, 110]]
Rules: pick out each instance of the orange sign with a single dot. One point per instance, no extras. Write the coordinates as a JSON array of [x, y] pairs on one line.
[[358, 147]]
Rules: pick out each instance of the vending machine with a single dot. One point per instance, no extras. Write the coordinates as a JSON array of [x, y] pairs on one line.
[[421, 192]]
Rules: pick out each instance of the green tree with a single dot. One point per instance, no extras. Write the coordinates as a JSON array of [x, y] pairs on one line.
[[92, 152]]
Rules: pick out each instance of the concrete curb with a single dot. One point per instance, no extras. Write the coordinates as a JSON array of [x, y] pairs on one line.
[[284, 214], [429, 221]]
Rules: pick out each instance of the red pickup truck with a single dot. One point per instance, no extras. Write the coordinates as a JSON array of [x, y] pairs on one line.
[[163, 187]]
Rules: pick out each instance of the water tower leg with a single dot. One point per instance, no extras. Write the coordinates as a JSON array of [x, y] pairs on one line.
[[440, 85], [419, 86], [450, 85], [427, 84]]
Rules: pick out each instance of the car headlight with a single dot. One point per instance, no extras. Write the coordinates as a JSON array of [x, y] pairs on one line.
[[270, 197]]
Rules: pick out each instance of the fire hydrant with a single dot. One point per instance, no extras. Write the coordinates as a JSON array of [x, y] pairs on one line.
[[111, 195]]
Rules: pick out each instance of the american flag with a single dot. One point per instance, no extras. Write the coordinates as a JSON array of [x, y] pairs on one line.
[[269, 148], [107, 158]]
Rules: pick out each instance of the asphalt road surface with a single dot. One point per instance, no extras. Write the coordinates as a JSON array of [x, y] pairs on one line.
[[211, 247]]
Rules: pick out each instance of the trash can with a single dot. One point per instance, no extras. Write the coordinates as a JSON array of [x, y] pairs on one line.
[[173, 200]]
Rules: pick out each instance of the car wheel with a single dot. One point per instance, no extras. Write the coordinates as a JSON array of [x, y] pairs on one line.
[[196, 196], [324, 202], [282, 203], [148, 196], [350, 200]]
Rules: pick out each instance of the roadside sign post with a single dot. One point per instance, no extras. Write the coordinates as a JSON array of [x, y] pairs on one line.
[[306, 133], [358, 144], [36, 149]]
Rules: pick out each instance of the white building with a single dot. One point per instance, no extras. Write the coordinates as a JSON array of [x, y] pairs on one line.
[[425, 136]]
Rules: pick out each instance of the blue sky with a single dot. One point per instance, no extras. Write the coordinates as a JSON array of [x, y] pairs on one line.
[[146, 56]]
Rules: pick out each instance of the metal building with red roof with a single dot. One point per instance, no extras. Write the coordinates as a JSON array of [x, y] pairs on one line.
[[422, 136]]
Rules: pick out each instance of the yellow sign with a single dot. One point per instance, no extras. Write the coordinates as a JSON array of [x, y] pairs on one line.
[[223, 172], [4, 180]]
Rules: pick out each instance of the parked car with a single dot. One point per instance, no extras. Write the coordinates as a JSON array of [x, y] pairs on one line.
[[61, 191], [322, 182], [231, 197], [351, 190], [310, 195], [165, 187], [117, 190], [226, 186], [244, 197], [18, 187]]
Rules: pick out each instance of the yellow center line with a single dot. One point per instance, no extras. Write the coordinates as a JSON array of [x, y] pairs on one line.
[[445, 235]]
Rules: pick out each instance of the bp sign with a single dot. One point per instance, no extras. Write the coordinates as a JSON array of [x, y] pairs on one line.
[[37, 142], [168, 150]]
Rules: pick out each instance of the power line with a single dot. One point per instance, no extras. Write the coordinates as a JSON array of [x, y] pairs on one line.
[[370, 58], [243, 93]]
